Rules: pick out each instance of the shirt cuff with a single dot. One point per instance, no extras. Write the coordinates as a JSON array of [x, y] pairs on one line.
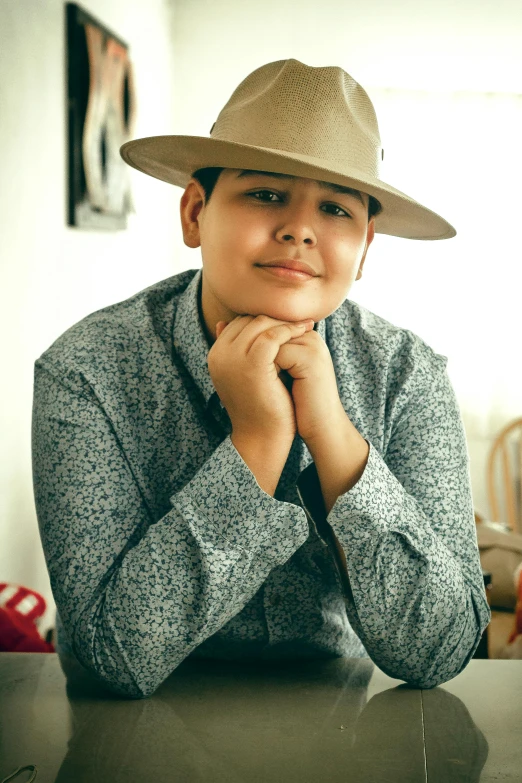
[[377, 506], [376, 500], [234, 510]]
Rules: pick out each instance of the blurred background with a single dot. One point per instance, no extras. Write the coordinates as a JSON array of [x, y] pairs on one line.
[[446, 81]]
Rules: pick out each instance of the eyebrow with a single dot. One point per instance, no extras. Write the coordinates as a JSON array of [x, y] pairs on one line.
[[327, 185]]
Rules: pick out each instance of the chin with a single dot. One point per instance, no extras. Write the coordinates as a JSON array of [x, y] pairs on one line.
[[281, 311], [281, 314]]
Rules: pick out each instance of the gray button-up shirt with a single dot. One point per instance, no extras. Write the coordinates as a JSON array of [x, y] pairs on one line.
[[161, 544]]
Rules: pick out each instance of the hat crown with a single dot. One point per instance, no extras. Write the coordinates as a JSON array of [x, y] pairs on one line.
[[300, 109]]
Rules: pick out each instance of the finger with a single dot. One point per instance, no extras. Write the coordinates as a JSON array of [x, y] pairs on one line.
[[266, 345], [235, 327], [220, 326], [263, 323]]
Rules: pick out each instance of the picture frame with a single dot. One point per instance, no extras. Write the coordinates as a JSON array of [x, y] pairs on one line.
[[101, 113]]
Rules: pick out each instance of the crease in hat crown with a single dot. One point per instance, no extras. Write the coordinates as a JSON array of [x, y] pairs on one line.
[[321, 112]]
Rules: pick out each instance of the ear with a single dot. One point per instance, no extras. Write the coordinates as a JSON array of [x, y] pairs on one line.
[[369, 239], [190, 206]]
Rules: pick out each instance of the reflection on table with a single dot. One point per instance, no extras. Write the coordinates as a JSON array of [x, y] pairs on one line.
[[335, 720]]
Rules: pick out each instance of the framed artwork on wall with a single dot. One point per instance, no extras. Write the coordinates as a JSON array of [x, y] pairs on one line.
[[101, 111]]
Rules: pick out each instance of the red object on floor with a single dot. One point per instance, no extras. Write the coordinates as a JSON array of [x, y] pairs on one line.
[[20, 607]]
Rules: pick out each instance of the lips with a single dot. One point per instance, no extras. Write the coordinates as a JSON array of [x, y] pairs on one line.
[[290, 263]]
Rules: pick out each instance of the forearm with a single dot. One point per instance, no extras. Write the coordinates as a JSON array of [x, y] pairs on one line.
[[417, 607], [136, 594], [418, 602], [340, 456], [190, 573], [415, 612], [265, 458], [170, 593]]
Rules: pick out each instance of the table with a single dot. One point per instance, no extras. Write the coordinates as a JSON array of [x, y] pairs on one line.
[[296, 722]]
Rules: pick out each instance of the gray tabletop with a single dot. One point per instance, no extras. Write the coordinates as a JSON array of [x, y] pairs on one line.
[[337, 720]]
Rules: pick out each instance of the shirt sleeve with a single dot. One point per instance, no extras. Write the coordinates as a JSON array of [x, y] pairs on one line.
[[136, 595], [413, 581]]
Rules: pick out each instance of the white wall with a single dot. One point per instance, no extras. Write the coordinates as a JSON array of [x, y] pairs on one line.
[[53, 275], [188, 56], [416, 44]]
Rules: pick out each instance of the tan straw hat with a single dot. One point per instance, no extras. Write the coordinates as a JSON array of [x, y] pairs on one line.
[[291, 118]]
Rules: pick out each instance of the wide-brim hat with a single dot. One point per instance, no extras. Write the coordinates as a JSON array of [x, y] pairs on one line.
[[290, 118]]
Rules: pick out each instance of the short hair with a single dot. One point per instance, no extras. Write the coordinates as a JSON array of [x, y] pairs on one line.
[[208, 177]]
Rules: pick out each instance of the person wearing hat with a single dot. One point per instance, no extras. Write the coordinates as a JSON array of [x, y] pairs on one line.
[[239, 461]]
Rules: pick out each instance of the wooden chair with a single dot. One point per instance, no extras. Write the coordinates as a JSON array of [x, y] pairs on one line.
[[505, 470], [504, 480]]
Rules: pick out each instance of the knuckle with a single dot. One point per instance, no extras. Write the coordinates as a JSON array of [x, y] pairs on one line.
[[270, 334]]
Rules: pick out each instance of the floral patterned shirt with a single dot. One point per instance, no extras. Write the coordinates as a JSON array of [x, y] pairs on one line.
[[161, 544]]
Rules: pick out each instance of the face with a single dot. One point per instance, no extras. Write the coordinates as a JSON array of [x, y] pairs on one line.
[[254, 218]]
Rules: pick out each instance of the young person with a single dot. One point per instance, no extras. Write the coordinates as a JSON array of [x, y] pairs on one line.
[[239, 461]]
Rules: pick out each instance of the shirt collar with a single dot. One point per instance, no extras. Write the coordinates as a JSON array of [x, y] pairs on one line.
[[190, 341]]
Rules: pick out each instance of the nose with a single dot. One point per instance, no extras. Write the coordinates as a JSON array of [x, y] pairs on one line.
[[296, 226]]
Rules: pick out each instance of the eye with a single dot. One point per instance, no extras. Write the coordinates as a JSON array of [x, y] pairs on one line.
[[264, 195], [262, 192], [342, 211]]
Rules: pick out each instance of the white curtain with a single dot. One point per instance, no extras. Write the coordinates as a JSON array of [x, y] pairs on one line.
[[461, 155]]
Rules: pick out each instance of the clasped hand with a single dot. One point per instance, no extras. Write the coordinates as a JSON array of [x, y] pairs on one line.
[[245, 364]]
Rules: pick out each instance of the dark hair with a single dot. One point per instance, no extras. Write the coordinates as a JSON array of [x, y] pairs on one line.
[[208, 177]]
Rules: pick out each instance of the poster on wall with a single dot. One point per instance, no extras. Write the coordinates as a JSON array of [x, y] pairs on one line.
[[101, 113]]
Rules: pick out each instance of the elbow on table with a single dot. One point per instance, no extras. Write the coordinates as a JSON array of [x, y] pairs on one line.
[[120, 685], [119, 667], [429, 682], [112, 677], [137, 693], [129, 692], [437, 667], [85, 677], [446, 657], [431, 679], [444, 669]]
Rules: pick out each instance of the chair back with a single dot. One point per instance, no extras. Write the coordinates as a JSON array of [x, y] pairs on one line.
[[505, 477]]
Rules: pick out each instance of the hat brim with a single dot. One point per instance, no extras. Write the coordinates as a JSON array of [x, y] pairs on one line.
[[173, 159]]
